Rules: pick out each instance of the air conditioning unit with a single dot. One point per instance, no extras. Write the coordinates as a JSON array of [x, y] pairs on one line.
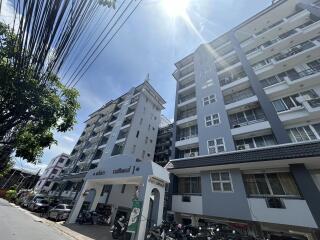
[[193, 154], [243, 147]]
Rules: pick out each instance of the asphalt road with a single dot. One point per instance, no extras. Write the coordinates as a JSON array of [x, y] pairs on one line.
[[17, 224]]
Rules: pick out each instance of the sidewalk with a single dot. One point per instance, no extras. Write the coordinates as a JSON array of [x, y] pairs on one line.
[[73, 231]]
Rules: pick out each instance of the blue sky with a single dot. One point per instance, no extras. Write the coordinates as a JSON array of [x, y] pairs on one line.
[[151, 42]]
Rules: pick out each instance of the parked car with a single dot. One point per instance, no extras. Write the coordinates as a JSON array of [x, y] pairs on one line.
[[39, 205], [60, 212]]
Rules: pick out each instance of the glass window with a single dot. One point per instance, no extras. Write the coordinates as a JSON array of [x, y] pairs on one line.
[[221, 182], [262, 184], [216, 145], [279, 105], [189, 185], [300, 134], [209, 99], [212, 120], [277, 184]]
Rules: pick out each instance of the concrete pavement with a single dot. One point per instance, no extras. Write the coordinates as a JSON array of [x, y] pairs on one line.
[[20, 224], [17, 225]]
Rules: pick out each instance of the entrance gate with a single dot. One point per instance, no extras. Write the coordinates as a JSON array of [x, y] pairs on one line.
[[149, 177]]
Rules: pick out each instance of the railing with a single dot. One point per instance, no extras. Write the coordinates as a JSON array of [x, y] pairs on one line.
[[182, 86], [188, 113], [220, 67], [187, 97], [126, 122], [186, 72], [246, 93], [227, 80], [181, 138], [236, 124], [269, 27], [314, 103], [294, 50], [304, 73]]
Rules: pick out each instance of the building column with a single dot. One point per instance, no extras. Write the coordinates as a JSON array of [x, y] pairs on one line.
[[96, 199], [78, 204], [276, 125], [312, 9], [308, 189]]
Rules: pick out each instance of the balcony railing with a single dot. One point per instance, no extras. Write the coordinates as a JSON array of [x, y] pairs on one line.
[[269, 27], [182, 86], [181, 138], [294, 50], [314, 103], [246, 93], [304, 73], [220, 67], [236, 124], [187, 97], [188, 113], [230, 79]]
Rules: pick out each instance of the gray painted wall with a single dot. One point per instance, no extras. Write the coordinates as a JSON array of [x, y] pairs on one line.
[[207, 83], [229, 204]]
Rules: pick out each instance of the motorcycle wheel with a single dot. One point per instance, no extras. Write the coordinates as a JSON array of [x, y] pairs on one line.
[[115, 235]]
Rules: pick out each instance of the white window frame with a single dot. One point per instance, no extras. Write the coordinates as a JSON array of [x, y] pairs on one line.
[[209, 100], [216, 145], [222, 181], [212, 120], [303, 127]]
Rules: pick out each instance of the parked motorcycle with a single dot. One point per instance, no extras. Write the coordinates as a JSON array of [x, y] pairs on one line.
[[85, 217], [119, 228]]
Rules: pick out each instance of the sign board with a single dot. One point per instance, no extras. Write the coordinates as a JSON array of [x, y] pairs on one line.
[[134, 216]]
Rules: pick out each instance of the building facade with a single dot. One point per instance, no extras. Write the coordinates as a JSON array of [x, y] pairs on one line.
[[52, 171], [162, 152], [125, 126], [256, 86]]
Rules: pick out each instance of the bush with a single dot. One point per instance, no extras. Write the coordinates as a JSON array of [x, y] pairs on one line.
[[11, 195]]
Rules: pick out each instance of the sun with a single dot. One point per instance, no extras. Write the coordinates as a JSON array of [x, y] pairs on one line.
[[176, 8]]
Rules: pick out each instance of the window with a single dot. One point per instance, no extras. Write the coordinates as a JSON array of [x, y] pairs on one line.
[[47, 184], [143, 154], [54, 171], [209, 99], [123, 188], [274, 184], [261, 141], [189, 185], [221, 182], [216, 146], [300, 134], [212, 120], [137, 135]]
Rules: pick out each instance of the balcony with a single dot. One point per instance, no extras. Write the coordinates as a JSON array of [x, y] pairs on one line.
[[235, 97], [294, 50], [314, 103], [186, 99], [186, 86], [231, 78], [187, 142], [255, 126]]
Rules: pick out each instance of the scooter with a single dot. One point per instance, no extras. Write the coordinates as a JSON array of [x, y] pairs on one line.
[[119, 228], [85, 217]]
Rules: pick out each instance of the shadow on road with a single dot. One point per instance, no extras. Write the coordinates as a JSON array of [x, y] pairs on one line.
[[96, 232]]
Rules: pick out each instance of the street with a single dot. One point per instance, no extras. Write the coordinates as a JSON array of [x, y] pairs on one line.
[[18, 225]]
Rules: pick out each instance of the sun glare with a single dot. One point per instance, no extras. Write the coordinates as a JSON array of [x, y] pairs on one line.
[[176, 8]]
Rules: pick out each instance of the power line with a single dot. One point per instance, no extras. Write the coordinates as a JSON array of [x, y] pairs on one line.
[[106, 44]]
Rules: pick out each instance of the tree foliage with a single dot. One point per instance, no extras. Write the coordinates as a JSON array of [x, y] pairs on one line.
[[32, 106]]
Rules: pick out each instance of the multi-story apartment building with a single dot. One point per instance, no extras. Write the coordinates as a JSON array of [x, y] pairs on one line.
[[256, 86], [125, 126], [52, 171], [162, 152]]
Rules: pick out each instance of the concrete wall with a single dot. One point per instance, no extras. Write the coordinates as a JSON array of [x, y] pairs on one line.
[[150, 115], [225, 204], [296, 213], [193, 207], [207, 83]]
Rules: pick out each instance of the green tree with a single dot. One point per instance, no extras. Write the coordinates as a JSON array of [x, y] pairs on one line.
[[32, 106]]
